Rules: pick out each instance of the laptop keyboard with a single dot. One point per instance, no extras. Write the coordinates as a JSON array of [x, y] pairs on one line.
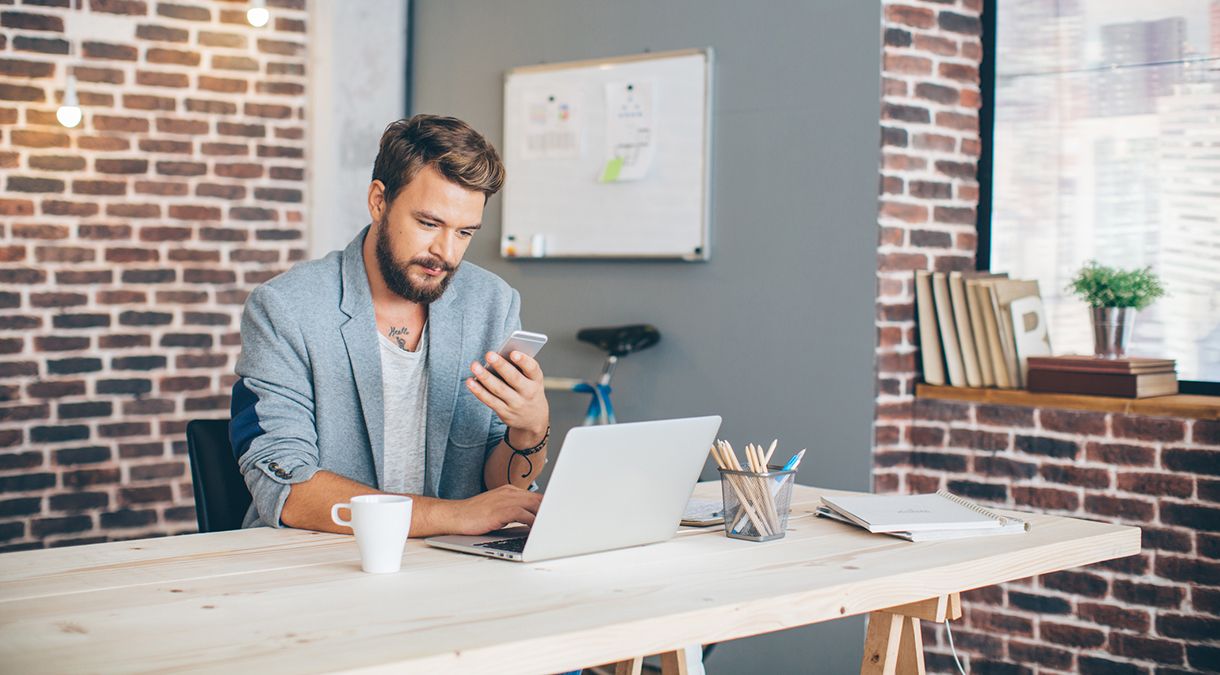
[[515, 545]]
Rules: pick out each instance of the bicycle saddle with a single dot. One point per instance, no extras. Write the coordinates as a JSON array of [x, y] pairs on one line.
[[621, 340]]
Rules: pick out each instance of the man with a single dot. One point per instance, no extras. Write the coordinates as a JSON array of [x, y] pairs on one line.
[[360, 373]]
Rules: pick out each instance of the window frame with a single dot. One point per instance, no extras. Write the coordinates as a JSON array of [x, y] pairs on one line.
[[982, 256]]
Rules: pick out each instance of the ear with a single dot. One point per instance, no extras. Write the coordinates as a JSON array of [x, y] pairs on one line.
[[377, 204]]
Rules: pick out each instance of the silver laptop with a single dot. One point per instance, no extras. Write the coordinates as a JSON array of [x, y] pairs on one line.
[[614, 486]]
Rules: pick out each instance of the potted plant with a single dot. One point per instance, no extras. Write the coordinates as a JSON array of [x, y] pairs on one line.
[[1114, 296]]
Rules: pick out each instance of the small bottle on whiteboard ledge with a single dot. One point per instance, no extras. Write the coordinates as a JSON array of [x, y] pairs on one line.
[[538, 246]]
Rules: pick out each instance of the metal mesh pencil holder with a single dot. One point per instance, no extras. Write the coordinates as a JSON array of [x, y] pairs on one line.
[[756, 505]]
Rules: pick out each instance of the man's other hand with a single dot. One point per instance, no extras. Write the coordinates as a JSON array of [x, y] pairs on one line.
[[495, 509]]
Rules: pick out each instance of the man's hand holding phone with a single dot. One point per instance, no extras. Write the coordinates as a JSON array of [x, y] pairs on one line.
[[511, 385]]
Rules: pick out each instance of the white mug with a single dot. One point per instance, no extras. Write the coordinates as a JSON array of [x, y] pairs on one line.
[[381, 523]]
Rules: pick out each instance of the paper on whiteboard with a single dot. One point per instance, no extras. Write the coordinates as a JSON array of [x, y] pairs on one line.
[[552, 128], [631, 139]]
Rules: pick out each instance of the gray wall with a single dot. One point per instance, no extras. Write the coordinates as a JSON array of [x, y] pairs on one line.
[[776, 332]]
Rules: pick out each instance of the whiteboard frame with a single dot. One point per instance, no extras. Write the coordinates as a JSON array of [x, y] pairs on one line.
[[703, 251]]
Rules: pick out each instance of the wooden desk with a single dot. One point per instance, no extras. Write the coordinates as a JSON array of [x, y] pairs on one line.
[[286, 600]]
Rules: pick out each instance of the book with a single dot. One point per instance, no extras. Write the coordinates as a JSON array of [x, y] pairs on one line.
[[929, 333], [703, 513], [979, 329], [1125, 385], [965, 335], [1093, 364], [938, 511], [948, 332], [1004, 291], [1014, 526], [991, 322], [928, 517], [1029, 331]]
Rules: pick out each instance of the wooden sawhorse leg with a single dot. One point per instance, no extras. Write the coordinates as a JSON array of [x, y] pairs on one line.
[[672, 663], [631, 667], [893, 644]]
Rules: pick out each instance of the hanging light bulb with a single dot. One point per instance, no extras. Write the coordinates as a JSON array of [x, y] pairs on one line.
[[257, 15], [69, 113]]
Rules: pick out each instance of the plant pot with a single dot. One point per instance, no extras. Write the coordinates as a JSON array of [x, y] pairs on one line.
[[1112, 331]]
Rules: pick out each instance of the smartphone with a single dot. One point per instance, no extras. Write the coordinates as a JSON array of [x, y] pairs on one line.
[[522, 341]]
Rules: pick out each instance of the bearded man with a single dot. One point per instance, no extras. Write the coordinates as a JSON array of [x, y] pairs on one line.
[[362, 372]]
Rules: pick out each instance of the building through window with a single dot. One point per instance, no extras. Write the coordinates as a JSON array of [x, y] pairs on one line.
[[1107, 147]]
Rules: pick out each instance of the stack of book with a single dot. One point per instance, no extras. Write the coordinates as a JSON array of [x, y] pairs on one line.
[[978, 329], [1131, 377]]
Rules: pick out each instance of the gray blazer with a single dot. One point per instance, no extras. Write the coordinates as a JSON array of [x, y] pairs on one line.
[[309, 394]]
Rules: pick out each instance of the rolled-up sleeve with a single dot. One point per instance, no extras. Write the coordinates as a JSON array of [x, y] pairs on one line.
[[272, 431]]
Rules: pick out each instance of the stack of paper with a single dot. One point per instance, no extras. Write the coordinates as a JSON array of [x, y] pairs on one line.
[[920, 517], [703, 512]]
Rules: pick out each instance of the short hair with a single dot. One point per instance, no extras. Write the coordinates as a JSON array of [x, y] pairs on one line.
[[447, 144]]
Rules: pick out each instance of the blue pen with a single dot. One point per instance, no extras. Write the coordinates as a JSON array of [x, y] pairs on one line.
[[793, 461]]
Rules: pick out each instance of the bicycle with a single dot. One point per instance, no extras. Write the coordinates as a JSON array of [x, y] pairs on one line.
[[617, 342]]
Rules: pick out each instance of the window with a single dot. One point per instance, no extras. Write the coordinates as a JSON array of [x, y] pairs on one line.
[[1106, 145]]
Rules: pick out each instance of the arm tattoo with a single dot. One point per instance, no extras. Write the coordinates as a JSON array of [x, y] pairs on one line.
[[398, 334]]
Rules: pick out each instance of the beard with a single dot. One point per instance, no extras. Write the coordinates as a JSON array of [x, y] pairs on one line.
[[394, 272]]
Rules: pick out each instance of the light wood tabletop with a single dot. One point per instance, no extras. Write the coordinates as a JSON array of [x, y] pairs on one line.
[[289, 600]]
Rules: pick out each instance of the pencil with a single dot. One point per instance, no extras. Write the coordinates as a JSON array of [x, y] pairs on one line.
[[770, 451], [742, 488], [758, 486], [748, 504], [768, 500]]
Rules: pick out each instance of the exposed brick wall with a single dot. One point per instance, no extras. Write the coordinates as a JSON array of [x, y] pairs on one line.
[[930, 148], [128, 245], [1159, 611], [929, 153]]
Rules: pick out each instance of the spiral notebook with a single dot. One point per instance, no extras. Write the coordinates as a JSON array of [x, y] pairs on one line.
[[920, 517]]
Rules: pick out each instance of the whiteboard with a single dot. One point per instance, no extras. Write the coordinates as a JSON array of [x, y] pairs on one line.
[[609, 158]]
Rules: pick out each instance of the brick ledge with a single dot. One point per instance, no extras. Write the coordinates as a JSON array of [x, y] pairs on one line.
[[1181, 405]]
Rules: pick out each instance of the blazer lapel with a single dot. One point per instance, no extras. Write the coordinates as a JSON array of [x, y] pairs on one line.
[[360, 337], [445, 375]]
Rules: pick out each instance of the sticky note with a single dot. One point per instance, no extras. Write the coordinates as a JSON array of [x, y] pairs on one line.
[[613, 167]]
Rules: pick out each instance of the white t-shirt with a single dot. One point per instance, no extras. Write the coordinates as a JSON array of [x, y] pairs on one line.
[[404, 388]]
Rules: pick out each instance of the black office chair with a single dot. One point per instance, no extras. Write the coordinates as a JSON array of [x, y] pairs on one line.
[[221, 496]]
